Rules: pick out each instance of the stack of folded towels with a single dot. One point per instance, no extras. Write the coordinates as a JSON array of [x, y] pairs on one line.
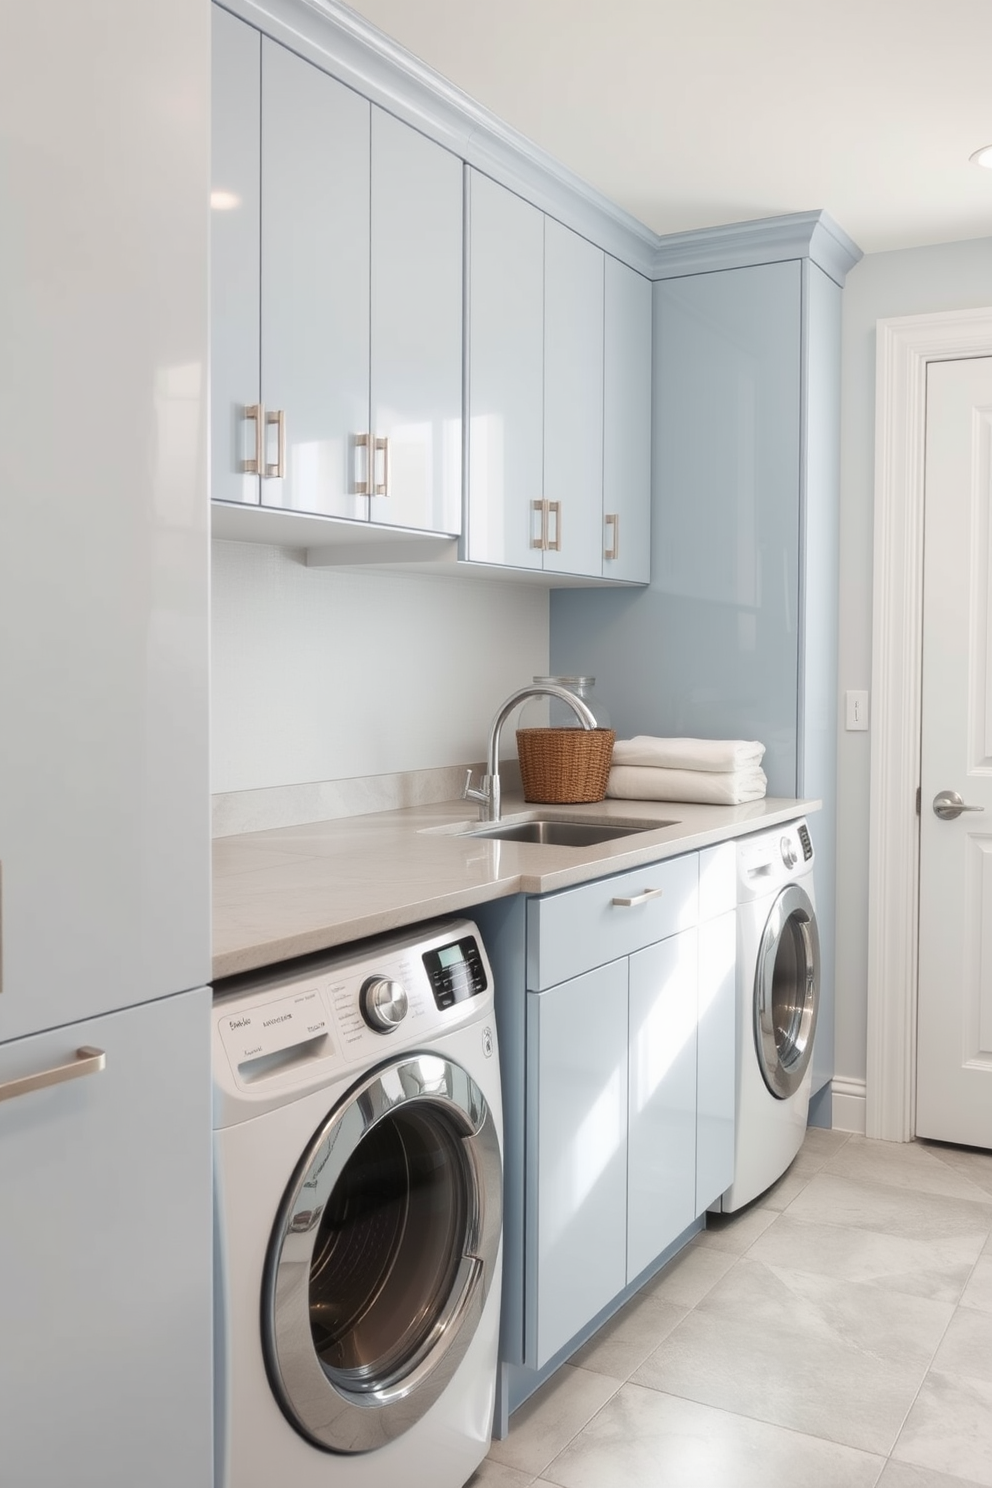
[[719, 772]]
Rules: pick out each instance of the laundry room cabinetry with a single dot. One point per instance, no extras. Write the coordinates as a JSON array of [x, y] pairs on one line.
[[735, 636], [616, 1012], [336, 303], [558, 392]]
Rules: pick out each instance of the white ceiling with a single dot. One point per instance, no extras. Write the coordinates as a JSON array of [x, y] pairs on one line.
[[695, 112]]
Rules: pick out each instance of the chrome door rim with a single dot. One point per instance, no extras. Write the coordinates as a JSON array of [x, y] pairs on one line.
[[783, 1075], [368, 1411]]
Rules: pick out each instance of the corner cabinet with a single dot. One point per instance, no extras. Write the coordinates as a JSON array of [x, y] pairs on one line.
[[559, 375], [616, 1018], [336, 296]]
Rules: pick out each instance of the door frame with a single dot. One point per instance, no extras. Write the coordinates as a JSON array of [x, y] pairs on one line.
[[905, 346]]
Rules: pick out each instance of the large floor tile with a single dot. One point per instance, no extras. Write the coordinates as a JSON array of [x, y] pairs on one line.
[[972, 1162], [629, 1337], [939, 1269], [978, 1292], [905, 1475], [966, 1347], [950, 1428], [834, 1359], [902, 1165], [788, 1187], [690, 1275], [546, 1422], [831, 1199], [643, 1439]]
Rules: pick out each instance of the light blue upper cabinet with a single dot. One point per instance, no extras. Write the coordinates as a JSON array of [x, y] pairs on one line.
[[573, 402], [336, 299], [505, 377], [627, 424], [416, 329], [315, 288]]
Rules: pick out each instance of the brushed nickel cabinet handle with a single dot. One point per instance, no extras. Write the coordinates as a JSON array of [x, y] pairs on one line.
[[638, 898], [278, 470], [365, 442], [255, 414], [542, 541], [613, 520], [554, 507], [381, 488], [88, 1061]]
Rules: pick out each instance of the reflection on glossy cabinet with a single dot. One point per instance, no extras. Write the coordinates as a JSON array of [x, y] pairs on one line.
[[576, 1155], [627, 424], [661, 1176]]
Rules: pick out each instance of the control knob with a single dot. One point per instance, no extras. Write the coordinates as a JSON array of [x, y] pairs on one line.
[[790, 856], [383, 1003]]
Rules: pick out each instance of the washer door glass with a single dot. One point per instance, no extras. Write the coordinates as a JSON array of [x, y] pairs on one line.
[[383, 1255], [786, 992]]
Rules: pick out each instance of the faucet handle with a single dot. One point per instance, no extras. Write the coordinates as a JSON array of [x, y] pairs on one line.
[[471, 792]]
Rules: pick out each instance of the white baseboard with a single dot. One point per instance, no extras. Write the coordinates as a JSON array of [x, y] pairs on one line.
[[848, 1105]]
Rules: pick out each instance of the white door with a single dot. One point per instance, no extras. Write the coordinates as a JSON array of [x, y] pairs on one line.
[[954, 1060]]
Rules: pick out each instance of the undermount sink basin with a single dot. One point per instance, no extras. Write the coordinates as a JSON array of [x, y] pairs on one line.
[[554, 832]]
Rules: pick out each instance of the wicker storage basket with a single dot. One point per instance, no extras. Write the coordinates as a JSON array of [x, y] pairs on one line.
[[564, 765]]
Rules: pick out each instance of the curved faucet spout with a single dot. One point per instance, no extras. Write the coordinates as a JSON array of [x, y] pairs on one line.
[[488, 794]]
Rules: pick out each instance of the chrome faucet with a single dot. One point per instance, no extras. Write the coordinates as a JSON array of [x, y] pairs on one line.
[[488, 793]]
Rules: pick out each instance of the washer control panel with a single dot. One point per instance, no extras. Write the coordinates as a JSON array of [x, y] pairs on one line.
[[456, 971]]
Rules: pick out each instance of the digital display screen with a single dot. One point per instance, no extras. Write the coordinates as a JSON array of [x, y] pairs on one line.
[[450, 955]]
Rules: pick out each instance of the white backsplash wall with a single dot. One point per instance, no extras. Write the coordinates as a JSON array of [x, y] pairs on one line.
[[331, 674]]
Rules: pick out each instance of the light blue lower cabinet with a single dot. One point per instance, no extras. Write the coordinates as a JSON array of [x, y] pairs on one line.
[[576, 1188], [716, 1061]]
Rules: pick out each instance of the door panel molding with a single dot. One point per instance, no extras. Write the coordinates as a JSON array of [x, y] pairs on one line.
[[905, 345]]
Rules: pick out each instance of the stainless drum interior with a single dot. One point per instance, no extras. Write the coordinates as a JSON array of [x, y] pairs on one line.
[[383, 1254], [786, 991]]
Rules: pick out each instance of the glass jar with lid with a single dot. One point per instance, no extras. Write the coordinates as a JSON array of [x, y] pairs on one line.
[[551, 712]]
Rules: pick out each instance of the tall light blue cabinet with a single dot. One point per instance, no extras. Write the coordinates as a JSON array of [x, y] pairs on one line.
[[735, 636], [105, 1092]]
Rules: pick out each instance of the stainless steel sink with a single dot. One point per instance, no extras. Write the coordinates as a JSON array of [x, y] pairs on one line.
[[554, 832]]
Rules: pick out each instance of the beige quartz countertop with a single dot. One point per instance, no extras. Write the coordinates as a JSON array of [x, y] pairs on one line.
[[289, 891]]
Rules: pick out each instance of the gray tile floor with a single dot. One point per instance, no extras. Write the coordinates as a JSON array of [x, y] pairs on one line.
[[835, 1334]]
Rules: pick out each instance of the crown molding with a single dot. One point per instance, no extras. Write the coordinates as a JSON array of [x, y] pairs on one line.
[[342, 43]]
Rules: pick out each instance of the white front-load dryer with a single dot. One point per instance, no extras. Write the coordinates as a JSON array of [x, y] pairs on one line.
[[778, 978], [358, 1162]]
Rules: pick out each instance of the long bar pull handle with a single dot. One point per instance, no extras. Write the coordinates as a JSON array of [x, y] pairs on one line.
[[278, 470], [554, 507], [639, 898], [255, 414], [542, 541], [613, 520], [87, 1062], [382, 488], [948, 805]]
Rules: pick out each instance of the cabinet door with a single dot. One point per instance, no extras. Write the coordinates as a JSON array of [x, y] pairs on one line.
[[236, 81], [315, 286], [661, 1137], [416, 328], [105, 1255], [505, 375], [716, 1061], [576, 1193], [627, 425], [573, 401]]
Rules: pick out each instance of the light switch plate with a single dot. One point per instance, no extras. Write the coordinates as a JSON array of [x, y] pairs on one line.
[[856, 710]]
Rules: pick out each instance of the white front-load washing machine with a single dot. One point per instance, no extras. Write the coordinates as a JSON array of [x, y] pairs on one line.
[[358, 1163], [778, 977]]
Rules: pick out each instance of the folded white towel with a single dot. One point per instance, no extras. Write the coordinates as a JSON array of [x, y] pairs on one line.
[[689, 754], [712, 787]]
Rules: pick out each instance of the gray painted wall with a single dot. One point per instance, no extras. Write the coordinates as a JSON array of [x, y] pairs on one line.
[[913, 281]]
